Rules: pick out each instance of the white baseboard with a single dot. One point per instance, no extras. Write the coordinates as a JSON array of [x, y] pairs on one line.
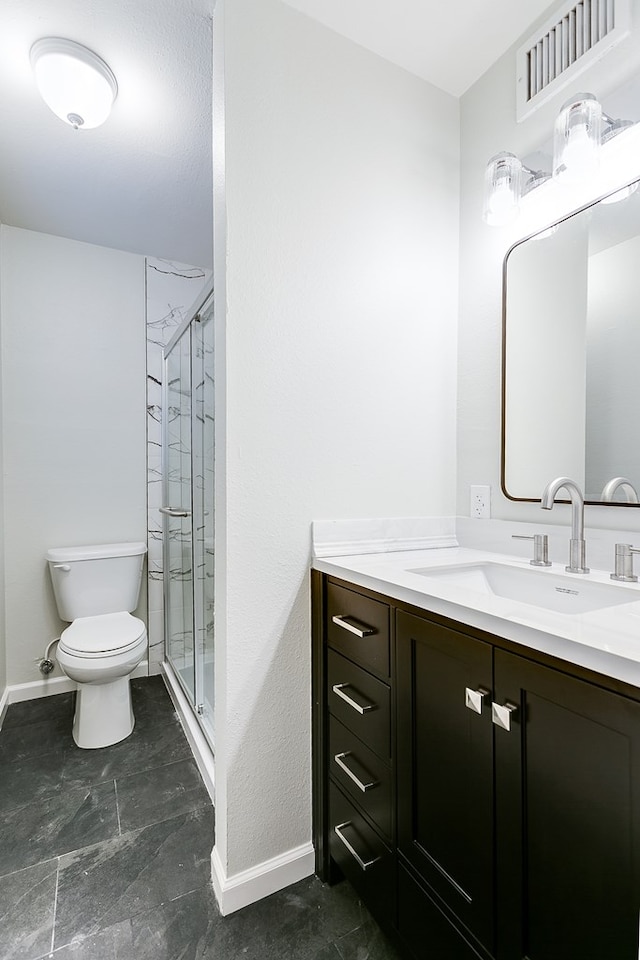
[[4, 703], [234, 893], [200, 746], [49, 686]]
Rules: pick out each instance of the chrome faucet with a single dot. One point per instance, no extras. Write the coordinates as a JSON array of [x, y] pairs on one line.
[[577, 545], [630, 492]]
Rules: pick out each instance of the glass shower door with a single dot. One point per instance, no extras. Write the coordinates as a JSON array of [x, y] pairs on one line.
[[188, 494], [203, 510], [178, 510]]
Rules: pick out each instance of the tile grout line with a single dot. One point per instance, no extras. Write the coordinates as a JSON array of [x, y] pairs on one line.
[[115, 787], [55, 906]]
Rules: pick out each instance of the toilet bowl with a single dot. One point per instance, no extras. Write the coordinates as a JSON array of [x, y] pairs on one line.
[[96, 588], [100, 653]]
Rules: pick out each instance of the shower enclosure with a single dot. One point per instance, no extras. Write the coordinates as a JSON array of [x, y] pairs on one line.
[[188, 509]]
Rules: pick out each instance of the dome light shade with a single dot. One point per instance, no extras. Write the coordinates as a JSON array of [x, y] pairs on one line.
[[73, 81]]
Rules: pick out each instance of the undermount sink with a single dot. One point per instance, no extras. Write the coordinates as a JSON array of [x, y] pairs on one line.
[[551, 591]]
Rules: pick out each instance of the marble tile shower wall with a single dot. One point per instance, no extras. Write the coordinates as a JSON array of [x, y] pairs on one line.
[[172, 290]]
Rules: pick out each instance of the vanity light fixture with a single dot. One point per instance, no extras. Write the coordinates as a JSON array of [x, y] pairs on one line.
[[507, 180], [576, 140], [74, 82], [581, 132]]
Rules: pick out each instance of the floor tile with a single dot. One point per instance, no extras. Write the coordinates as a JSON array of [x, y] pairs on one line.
[[159, 794], [47, 828], [59, 706], [114, 943], [177, 930], [33, 740], [25, 781], [113, 881], [153, 688], [27, 901], [367, 942], [299, 923], [150, 745]]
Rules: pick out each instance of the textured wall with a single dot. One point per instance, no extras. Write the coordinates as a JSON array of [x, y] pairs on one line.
[[73, 361], [342, 219]]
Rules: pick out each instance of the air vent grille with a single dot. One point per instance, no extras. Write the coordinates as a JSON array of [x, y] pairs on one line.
[[576, 36]]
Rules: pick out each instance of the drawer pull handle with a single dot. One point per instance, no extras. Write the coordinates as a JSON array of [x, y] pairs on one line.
[[353, 626], [503, 715], [474, 699], [359, 708], [339, 759], [363, 864]]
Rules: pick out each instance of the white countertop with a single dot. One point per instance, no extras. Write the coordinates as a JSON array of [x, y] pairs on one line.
[[605, 640]]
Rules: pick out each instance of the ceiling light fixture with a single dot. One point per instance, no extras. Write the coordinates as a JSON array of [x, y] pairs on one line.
[[73, 81]]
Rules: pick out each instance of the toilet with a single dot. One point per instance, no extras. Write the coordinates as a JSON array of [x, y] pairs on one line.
[[96, 588]]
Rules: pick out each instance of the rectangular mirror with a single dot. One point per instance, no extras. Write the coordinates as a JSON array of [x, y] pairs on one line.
[[571, 355]]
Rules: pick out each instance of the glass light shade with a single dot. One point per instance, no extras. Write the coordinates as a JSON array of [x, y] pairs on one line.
[[73, 81], [620, 194], [502, 189], [576, 142]]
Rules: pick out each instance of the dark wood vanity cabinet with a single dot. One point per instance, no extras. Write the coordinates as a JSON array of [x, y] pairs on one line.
[[567, 816], [445, 772], [505, 820], [353, 738]]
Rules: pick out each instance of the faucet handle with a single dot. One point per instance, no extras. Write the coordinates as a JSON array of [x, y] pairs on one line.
[[624, 563], [540, 548]]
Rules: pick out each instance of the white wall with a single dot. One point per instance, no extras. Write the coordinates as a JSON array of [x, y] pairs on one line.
[[342, 223], [488, 126], [73, 372]]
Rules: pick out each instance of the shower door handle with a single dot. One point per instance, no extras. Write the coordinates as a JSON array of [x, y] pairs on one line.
[[175, 512]]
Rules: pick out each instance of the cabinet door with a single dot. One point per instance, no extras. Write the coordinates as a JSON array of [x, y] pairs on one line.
[[445, 768], [567, 815]]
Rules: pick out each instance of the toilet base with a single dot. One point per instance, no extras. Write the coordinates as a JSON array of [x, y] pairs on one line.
[[104, 714]]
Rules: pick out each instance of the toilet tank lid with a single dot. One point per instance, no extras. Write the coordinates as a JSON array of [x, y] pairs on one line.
[[97, 551]]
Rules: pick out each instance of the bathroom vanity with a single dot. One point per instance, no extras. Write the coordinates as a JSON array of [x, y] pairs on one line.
[[477, 757]]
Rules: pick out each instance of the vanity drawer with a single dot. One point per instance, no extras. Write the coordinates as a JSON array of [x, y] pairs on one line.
[[362, 856], [360, 702], [358, 627], [361, 774]]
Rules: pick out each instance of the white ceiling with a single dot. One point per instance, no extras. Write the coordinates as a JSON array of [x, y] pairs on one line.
[[143, 181], [450, 43]]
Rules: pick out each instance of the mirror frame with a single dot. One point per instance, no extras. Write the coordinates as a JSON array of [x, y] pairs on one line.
[[503, 361]]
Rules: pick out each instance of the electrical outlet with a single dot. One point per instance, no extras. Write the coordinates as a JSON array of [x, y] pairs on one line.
[[480, 503]]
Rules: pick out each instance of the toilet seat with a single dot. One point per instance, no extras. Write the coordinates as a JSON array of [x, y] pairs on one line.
[[102, 636]]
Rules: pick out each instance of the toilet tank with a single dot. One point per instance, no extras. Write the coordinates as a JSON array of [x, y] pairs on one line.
[[92, 580]]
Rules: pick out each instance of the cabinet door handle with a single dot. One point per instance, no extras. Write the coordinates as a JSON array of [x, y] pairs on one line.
[[339, 759], [359, 708], [502, 715], [474, 699], [353, 626], [363, 864]]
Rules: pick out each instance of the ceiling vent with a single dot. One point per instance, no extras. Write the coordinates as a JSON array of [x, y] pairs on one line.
[[566, 46]]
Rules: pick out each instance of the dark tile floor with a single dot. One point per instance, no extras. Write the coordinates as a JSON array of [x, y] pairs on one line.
[[105, 854]]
